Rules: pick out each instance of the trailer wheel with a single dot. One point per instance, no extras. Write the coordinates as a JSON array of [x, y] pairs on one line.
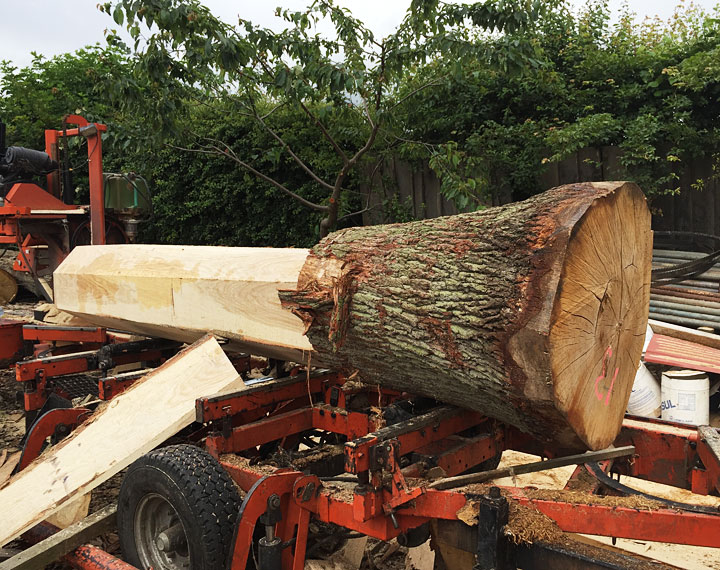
[[177, 510]]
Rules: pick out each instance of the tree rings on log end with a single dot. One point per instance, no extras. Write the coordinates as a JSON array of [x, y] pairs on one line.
[[600, 313]]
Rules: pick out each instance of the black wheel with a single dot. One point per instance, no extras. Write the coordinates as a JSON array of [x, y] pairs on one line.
[[114, 233], [177, 509]]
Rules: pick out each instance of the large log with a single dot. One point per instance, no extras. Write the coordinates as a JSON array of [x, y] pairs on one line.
[[533, 313]]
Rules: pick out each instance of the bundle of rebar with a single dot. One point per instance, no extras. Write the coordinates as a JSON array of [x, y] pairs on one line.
[[686, 288]]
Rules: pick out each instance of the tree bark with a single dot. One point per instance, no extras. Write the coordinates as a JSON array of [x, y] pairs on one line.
[[533, 313]]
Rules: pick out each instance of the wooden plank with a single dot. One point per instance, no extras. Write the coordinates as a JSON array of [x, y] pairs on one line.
[[8, 466], [703, 199], [663, 207], [46, 551], [611, 167], [568, 170], [432, 193], [71, 513], [549, 178], [184, 292], [684, 333], [419, 206], [448, 207], [404, 179], [683, 206], [153, 409]]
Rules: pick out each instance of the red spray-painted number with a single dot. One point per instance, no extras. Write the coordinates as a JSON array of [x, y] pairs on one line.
[[598, 393]]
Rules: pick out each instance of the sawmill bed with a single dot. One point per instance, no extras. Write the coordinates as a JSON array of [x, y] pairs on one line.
[[232, 419]]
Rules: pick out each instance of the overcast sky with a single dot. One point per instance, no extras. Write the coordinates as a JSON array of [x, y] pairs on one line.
[[54, 27]]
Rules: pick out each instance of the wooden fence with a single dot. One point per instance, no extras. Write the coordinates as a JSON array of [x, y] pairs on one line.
[[693, 209]]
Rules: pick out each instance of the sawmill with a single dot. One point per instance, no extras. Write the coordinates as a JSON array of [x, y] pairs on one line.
[[289, 408]]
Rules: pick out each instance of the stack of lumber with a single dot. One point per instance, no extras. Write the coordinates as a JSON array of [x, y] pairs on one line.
[[532, 313]]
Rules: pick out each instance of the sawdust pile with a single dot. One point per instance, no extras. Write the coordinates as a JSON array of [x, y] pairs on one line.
[[527, 525], [581, 498]]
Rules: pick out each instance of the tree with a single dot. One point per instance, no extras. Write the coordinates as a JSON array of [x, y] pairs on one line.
[[190, 57], [38, 96], [649, 89]]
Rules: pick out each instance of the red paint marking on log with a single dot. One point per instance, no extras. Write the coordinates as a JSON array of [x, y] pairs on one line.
[[600, 395], [442, 334], [461, 247]]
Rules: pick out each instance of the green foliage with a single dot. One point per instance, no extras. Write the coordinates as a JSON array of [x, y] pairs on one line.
[[651, 89], [348, 78], [251, 137], [205, 199], [39, 96]]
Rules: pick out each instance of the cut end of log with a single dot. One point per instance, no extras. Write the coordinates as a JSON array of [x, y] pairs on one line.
[[600, 314]]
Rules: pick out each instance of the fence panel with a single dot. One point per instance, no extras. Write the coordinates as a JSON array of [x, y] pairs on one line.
[[417, 187]]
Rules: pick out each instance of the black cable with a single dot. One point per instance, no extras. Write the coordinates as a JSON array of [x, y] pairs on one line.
[[687, 270], [608, 481], [85, 161]]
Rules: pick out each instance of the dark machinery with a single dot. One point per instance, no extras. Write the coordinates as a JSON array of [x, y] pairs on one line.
[[43, 221]]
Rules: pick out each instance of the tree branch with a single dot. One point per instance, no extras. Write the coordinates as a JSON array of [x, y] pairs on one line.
[[232, 156], [325, 132], [413, 92], [287, 148], [312, 116]]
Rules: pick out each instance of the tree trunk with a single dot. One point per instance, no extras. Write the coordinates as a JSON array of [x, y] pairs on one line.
[[533, 313]]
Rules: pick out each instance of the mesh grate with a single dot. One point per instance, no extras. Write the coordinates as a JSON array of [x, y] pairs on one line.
[[77, 385]]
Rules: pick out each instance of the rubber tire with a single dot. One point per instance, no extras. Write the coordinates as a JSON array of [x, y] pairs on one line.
[[200, 491]]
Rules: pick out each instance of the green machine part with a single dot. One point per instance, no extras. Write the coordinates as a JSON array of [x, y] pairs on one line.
[[127, 192]]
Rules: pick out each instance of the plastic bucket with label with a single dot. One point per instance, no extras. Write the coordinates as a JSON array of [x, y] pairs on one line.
[[686, 397], [645, 395]]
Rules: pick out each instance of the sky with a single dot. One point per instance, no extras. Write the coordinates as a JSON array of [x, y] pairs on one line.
[[54, 27]]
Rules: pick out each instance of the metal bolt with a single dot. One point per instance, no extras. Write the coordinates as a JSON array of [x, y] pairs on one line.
[[168, 540], [162, 542], [273, 502]]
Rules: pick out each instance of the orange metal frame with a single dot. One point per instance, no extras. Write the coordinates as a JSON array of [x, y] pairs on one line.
[[385, 512], [95, 170], [384, 502]]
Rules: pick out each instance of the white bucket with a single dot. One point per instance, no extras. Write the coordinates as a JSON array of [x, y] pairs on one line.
[[686, 397], [648, 338], [645, 395]]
